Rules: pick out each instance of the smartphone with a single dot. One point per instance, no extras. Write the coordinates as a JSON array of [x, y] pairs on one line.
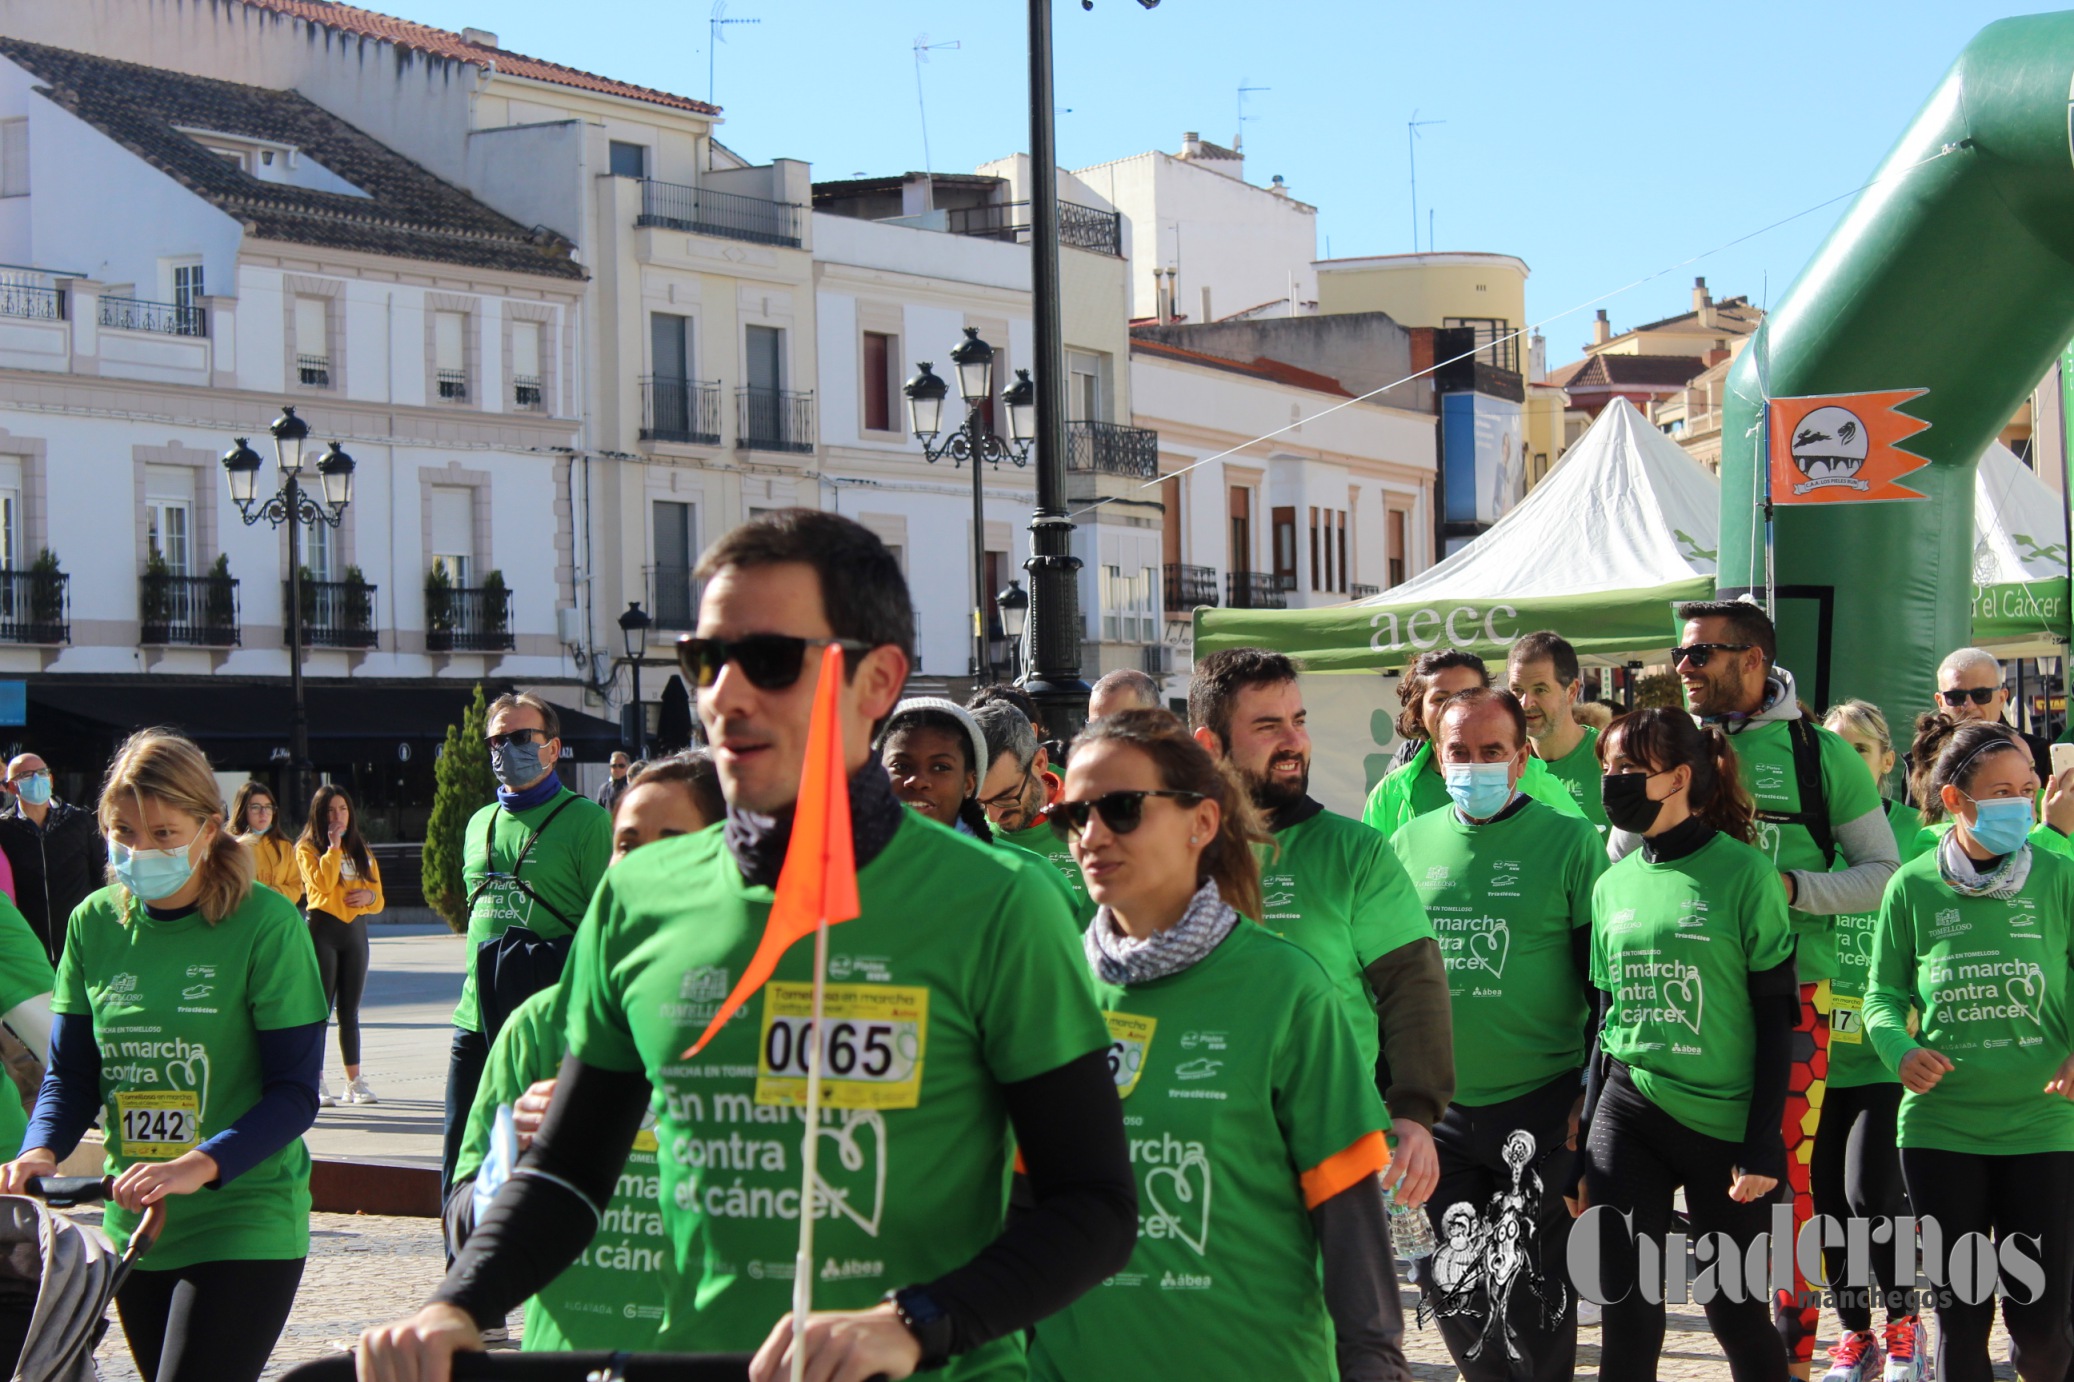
[[2062, 758]]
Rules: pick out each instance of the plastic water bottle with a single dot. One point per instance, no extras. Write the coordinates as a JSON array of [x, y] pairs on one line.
[[1411, 1232]]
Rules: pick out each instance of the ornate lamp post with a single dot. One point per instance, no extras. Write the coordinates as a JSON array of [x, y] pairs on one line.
[[633, 627], [291, 504], [1014, 604], [972, 440]]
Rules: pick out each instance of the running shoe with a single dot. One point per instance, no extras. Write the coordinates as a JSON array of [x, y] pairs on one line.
[[1904, 1350], [357, 1092], [325, 1098], [1853, 1359]]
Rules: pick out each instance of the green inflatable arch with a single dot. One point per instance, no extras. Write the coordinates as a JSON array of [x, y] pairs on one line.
[[1941, 297]]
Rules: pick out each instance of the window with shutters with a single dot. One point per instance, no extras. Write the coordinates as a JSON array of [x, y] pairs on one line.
[[1318, 567], [526, 391], [453, 532], [1084, 386], [1397, 550], [1285, 547], [14, 158], [881, 363], [188, 289], [12, 557], [673, 596], [1342, 586], [450, 355], [313, 342]]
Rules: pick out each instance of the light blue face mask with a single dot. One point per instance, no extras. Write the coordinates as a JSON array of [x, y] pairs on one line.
[[2001, 824], [1479, 790], [34, 789], [150, 874]]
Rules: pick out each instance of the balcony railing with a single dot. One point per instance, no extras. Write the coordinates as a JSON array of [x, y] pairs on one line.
[[468, 619], [28, 300], [673, 597], [35, 607], [680, 410], [525, 392], [1111, 448], [193, 611], [453, 385], [1189, 587], [1253, 590], [166, 318], [1360, 591], [335, 614], [1080, 227], [729, 215], [313, 371], [774, 420]]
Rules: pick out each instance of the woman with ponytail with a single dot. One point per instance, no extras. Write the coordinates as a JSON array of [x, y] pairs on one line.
[[344, 888], [182, 946], [1240, 1077], [1974, 941], [1692, 968]]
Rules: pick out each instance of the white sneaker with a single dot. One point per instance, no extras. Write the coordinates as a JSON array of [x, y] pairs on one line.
[[357, 1092], [325, 1098], [1589, 1314]]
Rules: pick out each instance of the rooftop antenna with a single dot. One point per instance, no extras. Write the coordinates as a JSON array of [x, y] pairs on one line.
[[1411, 139], [716, 34], [923, 48], [1238, 141]]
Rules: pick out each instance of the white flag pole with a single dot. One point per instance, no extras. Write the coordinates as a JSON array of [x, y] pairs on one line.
[[809, 1160]]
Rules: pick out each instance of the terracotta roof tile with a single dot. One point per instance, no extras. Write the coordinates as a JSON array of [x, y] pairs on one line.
[[443, 43], [1611, 371]]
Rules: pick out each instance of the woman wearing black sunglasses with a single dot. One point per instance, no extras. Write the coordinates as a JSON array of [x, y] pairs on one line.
[[1257, 1132]]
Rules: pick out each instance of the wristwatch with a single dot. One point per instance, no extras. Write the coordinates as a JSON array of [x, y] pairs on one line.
[[924, 1319]]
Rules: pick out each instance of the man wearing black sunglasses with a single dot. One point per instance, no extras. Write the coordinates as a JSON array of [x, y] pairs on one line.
[[1970, 686], [963, 965]]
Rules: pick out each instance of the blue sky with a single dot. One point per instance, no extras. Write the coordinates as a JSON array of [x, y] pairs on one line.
[[1600, 143]]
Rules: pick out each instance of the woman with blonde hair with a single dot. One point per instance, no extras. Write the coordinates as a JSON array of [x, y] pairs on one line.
[[255, 818], [208, 988]]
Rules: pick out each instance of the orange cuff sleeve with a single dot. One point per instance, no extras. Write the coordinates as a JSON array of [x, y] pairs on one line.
[[1344, 1169]]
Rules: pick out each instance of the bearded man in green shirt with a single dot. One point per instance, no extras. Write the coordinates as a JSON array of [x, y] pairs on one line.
[[1332, 886]]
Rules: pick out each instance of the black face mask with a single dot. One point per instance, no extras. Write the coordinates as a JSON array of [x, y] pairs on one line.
[[1627, 801]]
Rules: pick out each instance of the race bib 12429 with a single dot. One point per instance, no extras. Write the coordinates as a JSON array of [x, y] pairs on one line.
[[872, 1040], [157, 1125]]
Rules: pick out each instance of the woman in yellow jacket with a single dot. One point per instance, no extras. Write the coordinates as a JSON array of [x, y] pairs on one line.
[[256, 821], [343, 886]]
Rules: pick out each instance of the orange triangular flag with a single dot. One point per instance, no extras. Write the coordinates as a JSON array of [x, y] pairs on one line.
[[819, 879]]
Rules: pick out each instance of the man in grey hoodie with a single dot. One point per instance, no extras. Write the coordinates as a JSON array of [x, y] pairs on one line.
[[1820, 818]]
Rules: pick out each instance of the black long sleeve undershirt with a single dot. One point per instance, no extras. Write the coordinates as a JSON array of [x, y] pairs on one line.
[[1068, 1125], [1774, 1013]]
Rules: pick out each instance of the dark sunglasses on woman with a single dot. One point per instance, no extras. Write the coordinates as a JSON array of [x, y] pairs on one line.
[[1121, 811], [771, 661]]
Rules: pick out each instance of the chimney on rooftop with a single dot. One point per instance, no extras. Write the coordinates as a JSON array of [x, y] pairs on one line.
[[1700, 297], [1191, 145], [481, 38], [1602, 330]]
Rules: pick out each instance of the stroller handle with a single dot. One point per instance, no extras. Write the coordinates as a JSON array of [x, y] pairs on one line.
[[69, 1192]]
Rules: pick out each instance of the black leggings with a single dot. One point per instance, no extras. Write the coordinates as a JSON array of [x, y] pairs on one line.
[[1856, 1173], [1640, 1156], [2033, 1193], [210, 1322], [342, 962]]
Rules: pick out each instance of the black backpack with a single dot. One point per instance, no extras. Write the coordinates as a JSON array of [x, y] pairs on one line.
[[518, 962], [1807, 773]]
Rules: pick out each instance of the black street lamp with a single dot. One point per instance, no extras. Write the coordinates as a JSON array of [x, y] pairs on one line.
[[291, 504], [1014, 604], [972, 441], [633, 628]]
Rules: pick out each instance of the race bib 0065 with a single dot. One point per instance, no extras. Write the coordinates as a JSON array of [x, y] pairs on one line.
[[872, 1039], [157, 1125]]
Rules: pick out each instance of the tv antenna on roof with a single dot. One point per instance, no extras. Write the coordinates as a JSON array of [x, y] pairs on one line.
[[1238, 141], [716, 31], [923, 48], [1412, 127]]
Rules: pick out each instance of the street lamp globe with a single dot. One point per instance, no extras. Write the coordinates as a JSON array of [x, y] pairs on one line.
[[336, 471], [1014, 604], [633, 627], [290, 432], [974, 359], [1022, 408], [241, 466], [925, 394]]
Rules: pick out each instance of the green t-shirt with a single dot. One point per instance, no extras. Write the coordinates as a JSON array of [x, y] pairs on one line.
[[25, 973], [1852, 1060], [1417, 787], [1044, 842], [1580, 771], [612, 1296], [1246, 1103], [1675, 944], [1505, 897], [1764, 752], [1989, 977], [177, 1007], [963, 974], [563, 869], [1043, 869], [1335, 889]]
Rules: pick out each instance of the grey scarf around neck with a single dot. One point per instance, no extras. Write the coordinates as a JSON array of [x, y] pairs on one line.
[[1120, 959], [1956, 867]]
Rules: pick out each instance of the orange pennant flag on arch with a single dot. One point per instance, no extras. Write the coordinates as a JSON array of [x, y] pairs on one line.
[[819, 877]]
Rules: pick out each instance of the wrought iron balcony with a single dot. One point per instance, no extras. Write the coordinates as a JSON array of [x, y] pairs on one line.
[[1112, 448], [28, 300], [35, 607], [525, 392], [1189, 587], [468, 619], [335, 614], [313, 371], [1080, 227], [729, 215], [673, 597], [774, 420], [1361, 591], [166, 318], [1253, 590], [453, 385], [680, 410], [192, 611]]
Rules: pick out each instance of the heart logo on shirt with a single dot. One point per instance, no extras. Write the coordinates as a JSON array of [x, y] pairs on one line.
[[1488, 949], [191, 1074], [860, 1142], [1184, 1184], [2027, 991], [1685, 998], [1859, 940]]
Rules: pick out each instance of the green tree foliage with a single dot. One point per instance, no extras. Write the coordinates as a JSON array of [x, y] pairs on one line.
[[463, 785], [1660, 689]]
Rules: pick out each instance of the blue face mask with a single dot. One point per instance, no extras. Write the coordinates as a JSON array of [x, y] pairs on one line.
[[517, 765], [1479, 790], [34, 789], [150, 874], [2001, 824]]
